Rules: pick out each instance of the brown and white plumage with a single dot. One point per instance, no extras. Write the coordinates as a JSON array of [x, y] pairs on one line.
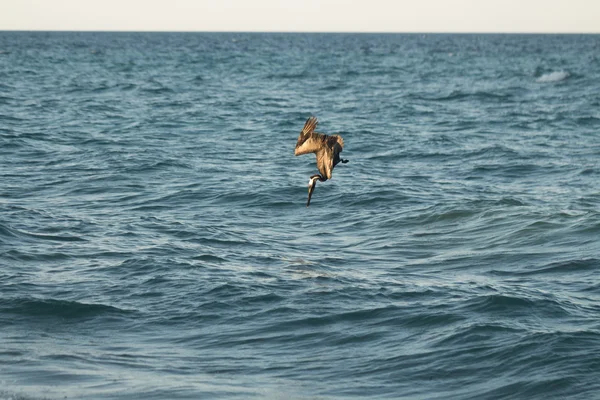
[[327, 148]]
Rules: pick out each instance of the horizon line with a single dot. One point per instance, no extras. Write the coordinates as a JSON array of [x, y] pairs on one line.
[[311, 32]]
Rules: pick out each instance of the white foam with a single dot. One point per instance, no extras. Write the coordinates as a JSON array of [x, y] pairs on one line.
[[555, 76]]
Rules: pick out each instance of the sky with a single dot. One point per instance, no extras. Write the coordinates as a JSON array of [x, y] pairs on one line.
[[520, 16]]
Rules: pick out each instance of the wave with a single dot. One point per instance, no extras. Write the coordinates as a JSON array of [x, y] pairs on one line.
[[209, 258], [589, 121], [31, 307], [465, 336], [7, 232], [288, 75], [539, 359], [555, 76], [516, 305], [381, 196], [4, 395], [572, 266], [464, 95]]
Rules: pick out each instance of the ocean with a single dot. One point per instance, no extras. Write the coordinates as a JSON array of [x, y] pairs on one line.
[[155, 241]]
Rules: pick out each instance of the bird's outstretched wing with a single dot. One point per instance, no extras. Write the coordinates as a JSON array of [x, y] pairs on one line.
[[309, 126], [308, 140]]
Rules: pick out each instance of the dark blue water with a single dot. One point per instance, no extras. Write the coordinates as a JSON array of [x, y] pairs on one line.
[[155, 244]]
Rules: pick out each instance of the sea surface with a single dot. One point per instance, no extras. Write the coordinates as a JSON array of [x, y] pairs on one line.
[[155, 241]]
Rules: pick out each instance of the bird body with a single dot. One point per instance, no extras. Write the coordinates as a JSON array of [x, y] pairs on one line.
[[327, 149]]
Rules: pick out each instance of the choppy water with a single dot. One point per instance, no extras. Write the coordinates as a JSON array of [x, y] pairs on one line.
[[155, 244]]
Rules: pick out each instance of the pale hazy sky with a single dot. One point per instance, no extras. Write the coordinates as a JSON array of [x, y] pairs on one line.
[[304, 15]]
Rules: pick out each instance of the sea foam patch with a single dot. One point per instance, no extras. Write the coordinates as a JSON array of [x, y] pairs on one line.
[[555, 76]]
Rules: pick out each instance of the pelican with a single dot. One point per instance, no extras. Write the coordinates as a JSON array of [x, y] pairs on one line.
[[326, 147]]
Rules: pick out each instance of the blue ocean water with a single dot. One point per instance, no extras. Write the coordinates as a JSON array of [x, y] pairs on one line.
[[155, 244]]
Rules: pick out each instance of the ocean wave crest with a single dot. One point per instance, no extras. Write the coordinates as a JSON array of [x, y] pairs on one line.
[[56, 308], [555, 76]]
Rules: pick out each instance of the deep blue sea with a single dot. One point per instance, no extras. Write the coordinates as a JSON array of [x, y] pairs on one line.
[[155, 241]]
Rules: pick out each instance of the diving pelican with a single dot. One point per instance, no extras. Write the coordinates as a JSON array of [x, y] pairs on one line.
[[326, 147]]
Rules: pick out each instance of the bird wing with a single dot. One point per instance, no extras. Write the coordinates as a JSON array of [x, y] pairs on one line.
[[308, 140]]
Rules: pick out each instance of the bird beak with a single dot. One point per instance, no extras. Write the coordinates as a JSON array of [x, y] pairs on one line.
[[311, 188]]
